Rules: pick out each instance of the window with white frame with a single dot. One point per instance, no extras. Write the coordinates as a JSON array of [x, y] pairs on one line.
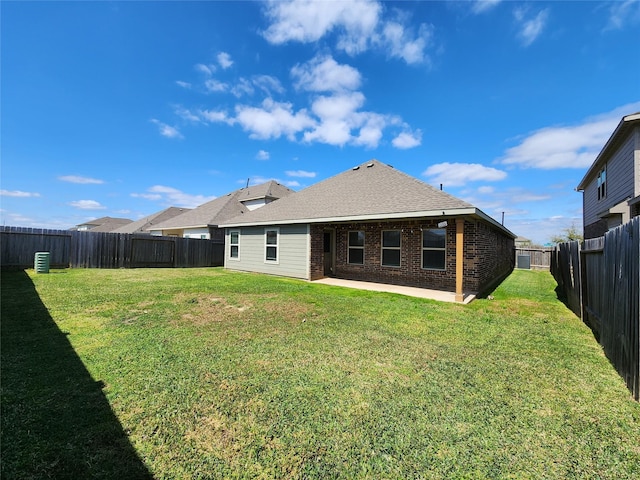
[[391, 248], [234, 244], [434, 243], [602, 183], [355, 254], [271, 245]]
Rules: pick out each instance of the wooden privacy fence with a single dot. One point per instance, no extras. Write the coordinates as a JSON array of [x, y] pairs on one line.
[[533, 258], [601, 281], [104, 250]]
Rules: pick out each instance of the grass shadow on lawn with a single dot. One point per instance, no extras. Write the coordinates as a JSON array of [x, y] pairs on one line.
[[50, 403]]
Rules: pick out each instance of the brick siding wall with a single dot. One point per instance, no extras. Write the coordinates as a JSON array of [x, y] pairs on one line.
[[596, 229], [488, 254]]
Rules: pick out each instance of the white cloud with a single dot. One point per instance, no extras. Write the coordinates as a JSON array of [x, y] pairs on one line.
[[272, 120], [573, 146], [457, 174], [337, 118], [530, 28], [87, 205], [407, 140], [400, 43], [268, 84], [308, 20], [300, 173], [173, 197], [186, 114], [182, 84], [208, 70], [224, 59], [370, 130], [147, 196], [167, 130], [262, 155], [18, 194], [243, 87], [481, 6], [324, 74], [213, 116], [213, 85], [358, 26], [622, 14], [334, 119], [486, 190], [79, 179]]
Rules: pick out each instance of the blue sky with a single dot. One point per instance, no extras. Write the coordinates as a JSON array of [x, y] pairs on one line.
[[125, 108]]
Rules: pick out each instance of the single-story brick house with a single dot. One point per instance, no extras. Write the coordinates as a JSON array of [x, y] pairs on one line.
[[373, 223]]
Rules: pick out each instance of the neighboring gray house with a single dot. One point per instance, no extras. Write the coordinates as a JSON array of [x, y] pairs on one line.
[[611, 187], [373, 223], [102, 224], [144, 224], [203, 221]]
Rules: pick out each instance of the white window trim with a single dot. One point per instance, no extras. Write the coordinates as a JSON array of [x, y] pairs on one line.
[[383, 248], [349, 246], [433, 249], [277, 245], [235, 259]]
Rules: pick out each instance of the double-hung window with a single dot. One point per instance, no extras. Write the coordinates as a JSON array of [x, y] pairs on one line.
[[391, 248], [234, 244], [434, 242], [271, 238], [355, 252], [602, 183]]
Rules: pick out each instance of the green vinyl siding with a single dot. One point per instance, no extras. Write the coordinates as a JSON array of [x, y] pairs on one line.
[[292, 251]]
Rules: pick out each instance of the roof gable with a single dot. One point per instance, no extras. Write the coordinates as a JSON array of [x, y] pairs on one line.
[[145, 223], [626, 125], [103, 224], [372, 189], [224, 207]]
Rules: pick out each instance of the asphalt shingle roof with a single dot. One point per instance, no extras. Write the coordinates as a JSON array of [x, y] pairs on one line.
[[225, 207], [370, 189], [145, 223], [104, 224]]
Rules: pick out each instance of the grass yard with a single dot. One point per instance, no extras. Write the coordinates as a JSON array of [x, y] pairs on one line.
[[204, 373]]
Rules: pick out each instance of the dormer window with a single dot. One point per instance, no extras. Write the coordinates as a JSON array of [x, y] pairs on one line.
[[602, 183]]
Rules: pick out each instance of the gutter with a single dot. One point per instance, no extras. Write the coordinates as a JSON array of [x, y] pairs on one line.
[[454, 212]]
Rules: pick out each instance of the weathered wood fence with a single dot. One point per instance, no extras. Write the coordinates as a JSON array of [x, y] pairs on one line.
[[601, 282], [534, 258], [75, 249]]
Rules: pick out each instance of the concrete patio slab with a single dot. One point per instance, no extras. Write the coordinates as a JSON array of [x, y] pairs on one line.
[[399, 289]]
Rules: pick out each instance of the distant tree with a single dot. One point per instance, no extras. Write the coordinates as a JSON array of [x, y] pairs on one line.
[[571, 234]]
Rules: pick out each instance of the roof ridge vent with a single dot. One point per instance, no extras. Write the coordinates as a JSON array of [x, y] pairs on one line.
[[370, 165], [356, 167]]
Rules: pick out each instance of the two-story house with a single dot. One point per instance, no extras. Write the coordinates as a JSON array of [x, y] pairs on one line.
[[611, 186]]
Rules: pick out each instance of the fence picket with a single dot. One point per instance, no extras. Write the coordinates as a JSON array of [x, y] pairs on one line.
[[104, 250], [608, 288]]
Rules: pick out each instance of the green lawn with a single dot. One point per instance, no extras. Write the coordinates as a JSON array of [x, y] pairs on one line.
[[202, 373]]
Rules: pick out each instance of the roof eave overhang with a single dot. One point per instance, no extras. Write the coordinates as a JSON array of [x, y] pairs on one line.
[[447, 212], [626, 123], [180, 227]]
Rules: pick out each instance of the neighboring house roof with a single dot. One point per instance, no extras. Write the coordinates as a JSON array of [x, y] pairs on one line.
[[145, 223], [225, 207], [103, 224], [370, 191], [619, 134]]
